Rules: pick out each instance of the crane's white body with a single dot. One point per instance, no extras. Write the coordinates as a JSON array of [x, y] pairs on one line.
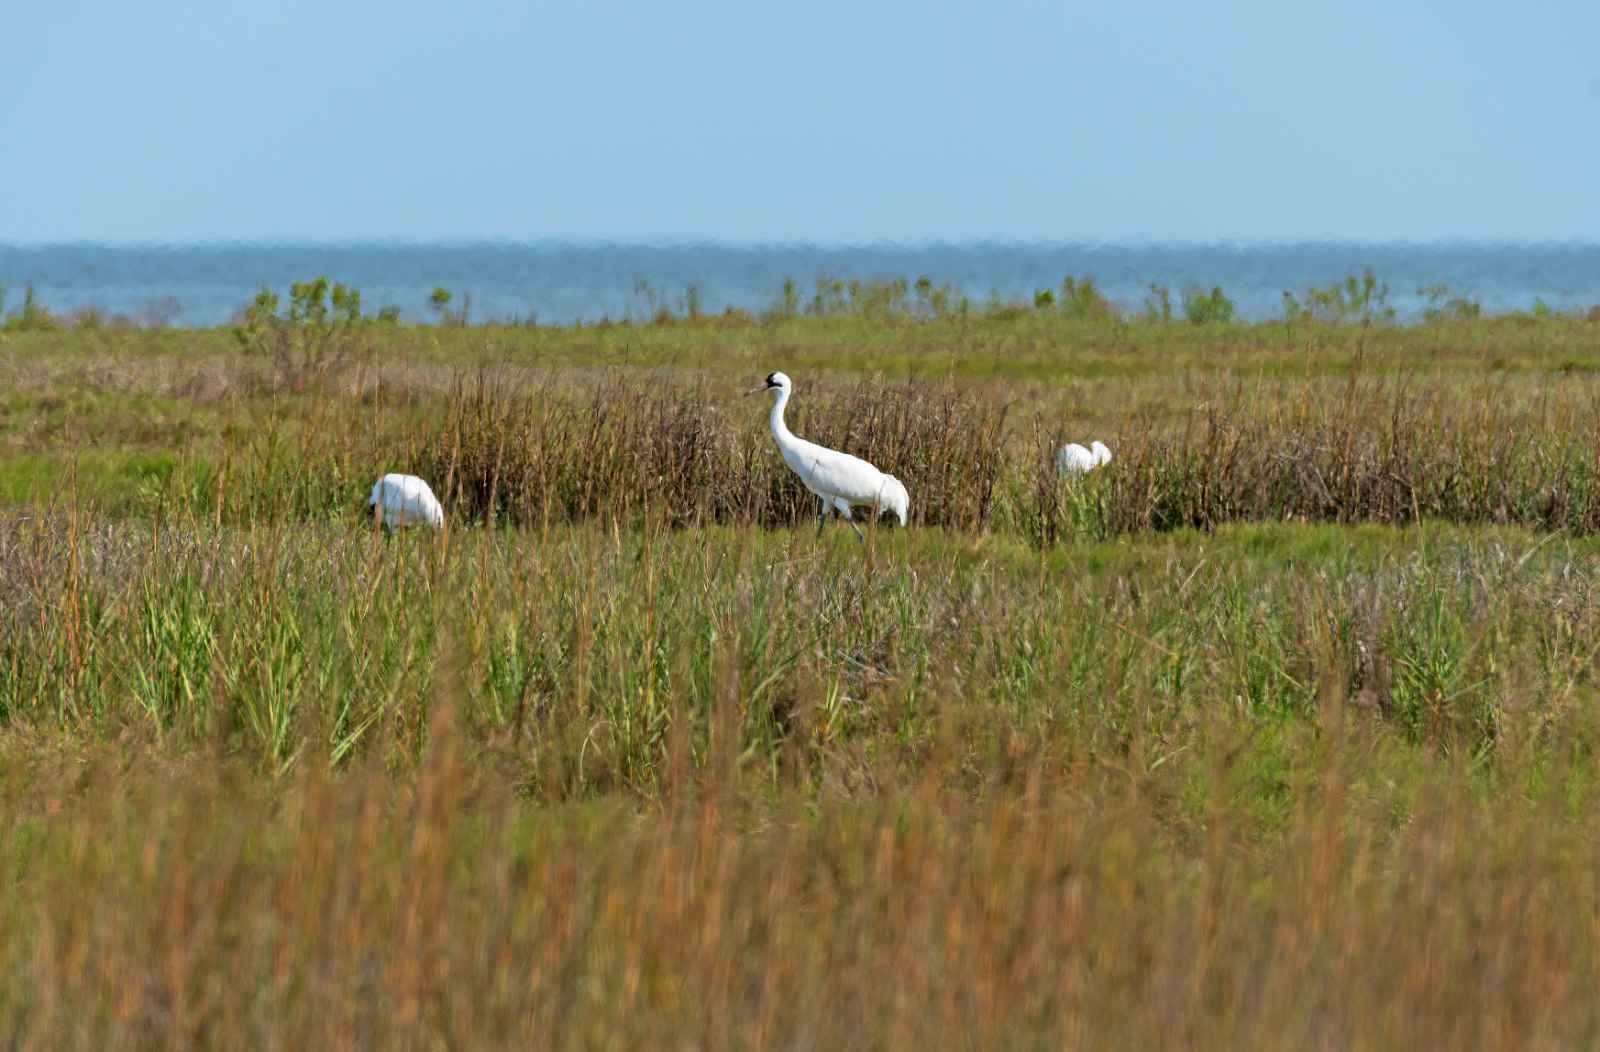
[[1074, 460], [839, 480], [405, 500]]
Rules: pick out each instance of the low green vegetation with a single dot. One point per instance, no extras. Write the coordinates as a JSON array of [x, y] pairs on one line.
[[1277, 730], [316, 643]]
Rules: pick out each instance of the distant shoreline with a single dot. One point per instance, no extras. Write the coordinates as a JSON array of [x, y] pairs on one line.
[[785, 244], [204, 284]]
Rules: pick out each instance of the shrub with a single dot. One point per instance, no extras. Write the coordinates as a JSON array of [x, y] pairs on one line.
[[1207, 308], [34, 316], [1081, 299], [439, 303], [1442, 306], [828, 299], [937, 301], [879, 299], [1157, 305], [1364, 299], [320, 336]]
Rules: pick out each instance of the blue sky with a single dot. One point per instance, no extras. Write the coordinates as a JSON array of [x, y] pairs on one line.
[[830, 121]]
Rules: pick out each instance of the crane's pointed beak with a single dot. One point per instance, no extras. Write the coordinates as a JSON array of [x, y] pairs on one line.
[[756, 390]]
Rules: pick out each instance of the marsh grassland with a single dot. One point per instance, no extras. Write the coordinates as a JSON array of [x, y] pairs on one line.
[[1277, 732]]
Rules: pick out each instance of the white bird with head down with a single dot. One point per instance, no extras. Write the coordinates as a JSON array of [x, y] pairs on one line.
[[1075, 460], [840, 480], [404, 500]]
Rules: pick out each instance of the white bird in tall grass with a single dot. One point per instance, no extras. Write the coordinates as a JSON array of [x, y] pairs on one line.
[[840, 480], [1075, 460], [405, 500]]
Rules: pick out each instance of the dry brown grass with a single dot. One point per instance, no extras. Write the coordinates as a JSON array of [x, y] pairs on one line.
[[187, 908], [689, 454]]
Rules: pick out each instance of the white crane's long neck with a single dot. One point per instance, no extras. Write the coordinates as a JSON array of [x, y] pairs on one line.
[[780, 430]]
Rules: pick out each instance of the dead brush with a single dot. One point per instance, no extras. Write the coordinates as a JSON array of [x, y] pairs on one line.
[[1058, 911], [1383, 454], [537, 448], [531, 452]]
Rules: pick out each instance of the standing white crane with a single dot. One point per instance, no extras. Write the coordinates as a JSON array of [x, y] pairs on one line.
[[840, 480], [1074, 460], [405, 500]]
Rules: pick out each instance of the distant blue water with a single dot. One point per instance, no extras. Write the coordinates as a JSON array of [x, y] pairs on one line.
[[565, 281]]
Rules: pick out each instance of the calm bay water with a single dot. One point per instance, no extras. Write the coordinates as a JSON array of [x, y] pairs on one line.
[[565, 281]]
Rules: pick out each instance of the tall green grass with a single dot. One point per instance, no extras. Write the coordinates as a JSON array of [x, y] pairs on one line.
[[577, 653]]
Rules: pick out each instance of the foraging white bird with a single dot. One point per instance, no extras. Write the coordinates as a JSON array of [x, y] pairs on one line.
[[839, 479], [1073, 459], [404, 500]]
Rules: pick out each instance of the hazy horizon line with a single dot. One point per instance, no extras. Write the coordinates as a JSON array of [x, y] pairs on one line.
[[876, 244]]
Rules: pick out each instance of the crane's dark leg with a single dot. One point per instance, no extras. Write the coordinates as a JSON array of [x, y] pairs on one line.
[[844, 511], [822, 516]]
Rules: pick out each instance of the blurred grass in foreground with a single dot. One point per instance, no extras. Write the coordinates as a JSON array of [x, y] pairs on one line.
[[145, 905]]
